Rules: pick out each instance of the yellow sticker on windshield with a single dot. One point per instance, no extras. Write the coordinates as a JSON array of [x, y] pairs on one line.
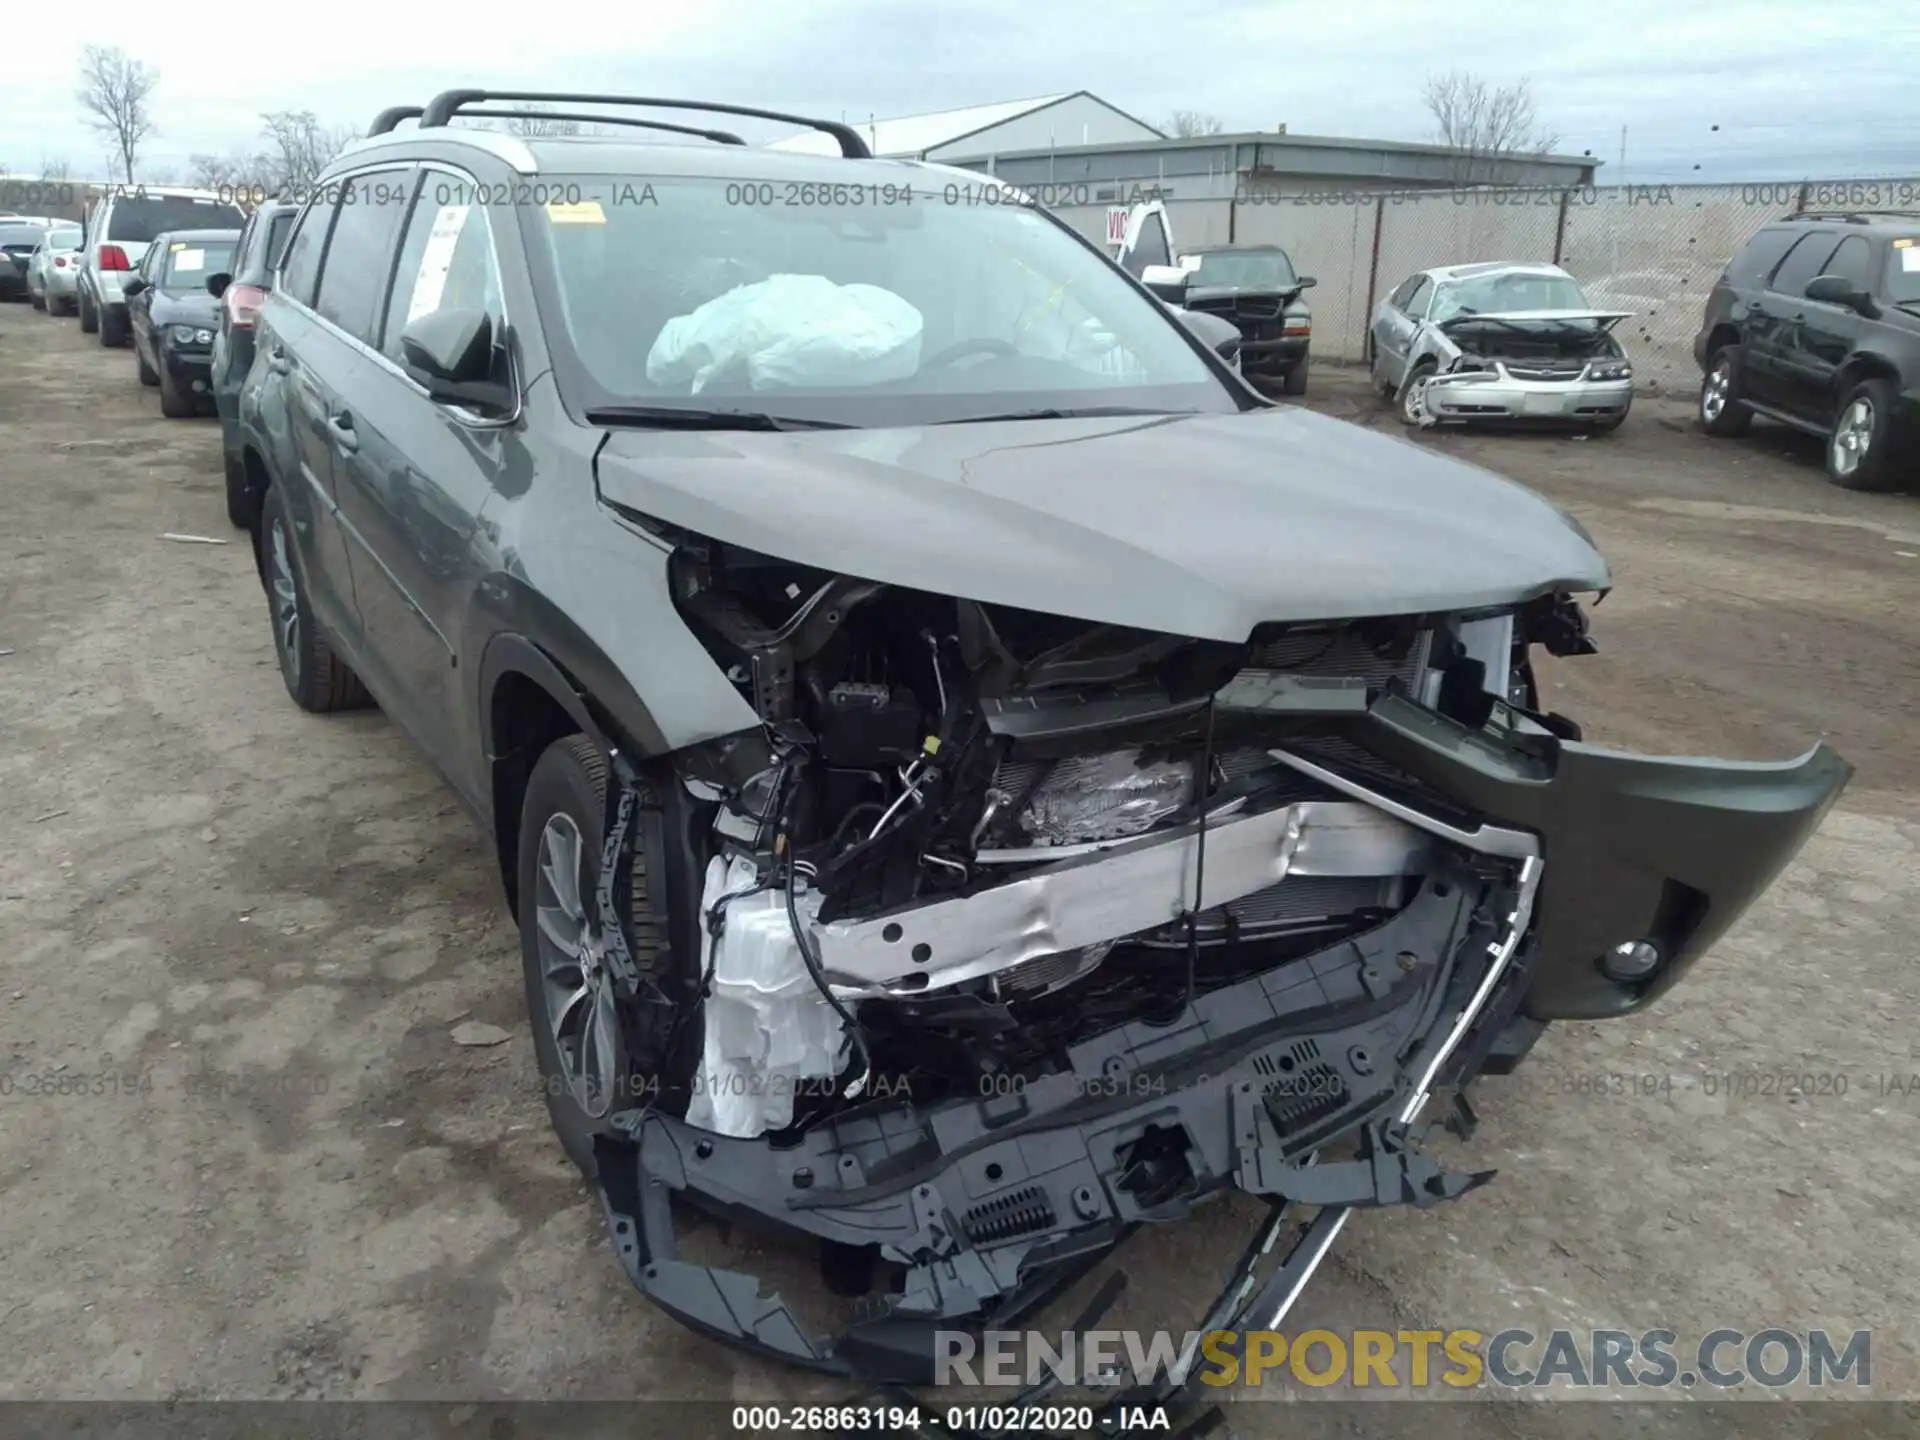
[[581, 212], [178, 245]]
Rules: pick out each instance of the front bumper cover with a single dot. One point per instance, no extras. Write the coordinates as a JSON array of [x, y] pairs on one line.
[[993, 1205]]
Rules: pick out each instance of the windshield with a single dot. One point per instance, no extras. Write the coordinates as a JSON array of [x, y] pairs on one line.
[[190, 262], [861, 304], [138, 218], [1903, 272], [1243, 269], [1502, 294]]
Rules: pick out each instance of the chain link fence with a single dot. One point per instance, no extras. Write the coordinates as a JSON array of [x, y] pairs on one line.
[[1652, 250]]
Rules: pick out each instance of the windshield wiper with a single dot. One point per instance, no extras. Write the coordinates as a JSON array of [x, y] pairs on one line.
[[675, 417], [1078, 412]]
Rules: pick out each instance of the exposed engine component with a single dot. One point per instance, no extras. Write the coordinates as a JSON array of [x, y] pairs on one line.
[[974, 836]]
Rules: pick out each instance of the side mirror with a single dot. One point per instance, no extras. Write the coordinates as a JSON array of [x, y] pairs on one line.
[[1838, 290], [1169, 282], [1305, 282], [450, 352], [132, 286], [217, 284]]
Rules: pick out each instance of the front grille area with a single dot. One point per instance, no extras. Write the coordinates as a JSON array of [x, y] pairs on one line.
[[1548, 370], [1344, 653], [1245, 307]]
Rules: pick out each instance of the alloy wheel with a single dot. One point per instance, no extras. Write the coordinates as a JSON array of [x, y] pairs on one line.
[[575, 985], [1852, 437], [1713, 393]]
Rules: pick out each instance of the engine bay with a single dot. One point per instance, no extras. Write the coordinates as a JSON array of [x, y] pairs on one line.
[[975, 837]]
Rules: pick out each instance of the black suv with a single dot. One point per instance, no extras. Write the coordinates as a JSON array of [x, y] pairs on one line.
[[972, 776], [241, 291], [1816, 323]]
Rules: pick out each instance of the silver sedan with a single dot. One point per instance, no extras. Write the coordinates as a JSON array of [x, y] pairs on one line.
[[1499, 342], [52, 269]]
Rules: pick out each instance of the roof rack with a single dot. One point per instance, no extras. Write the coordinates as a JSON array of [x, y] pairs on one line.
[[392, 116], [444, 106], [1854, 217]]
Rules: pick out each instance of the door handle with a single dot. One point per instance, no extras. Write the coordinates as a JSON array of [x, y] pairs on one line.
[[341, 424]]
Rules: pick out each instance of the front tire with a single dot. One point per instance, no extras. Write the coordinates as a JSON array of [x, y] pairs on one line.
[[175, 403], [317, 679], [113, 327], [1722, 410], [36, 299], [1296, 381], [584, 1034], [1411, 400], [89, 317], [148, 375], [1859, 450]]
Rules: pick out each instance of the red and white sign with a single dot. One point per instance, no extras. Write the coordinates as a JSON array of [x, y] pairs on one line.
[[1117, 224]]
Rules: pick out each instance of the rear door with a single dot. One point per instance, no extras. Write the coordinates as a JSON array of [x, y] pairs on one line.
[[1820, 335], [283, 402], [1770, 320], [413, 485]]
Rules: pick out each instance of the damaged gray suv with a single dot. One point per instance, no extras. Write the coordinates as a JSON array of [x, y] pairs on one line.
[[972, 777]]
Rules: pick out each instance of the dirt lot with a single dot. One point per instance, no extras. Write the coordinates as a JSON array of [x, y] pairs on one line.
[[245, 936]]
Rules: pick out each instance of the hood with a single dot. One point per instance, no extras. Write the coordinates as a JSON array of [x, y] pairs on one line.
[[1200, 526], [1235, 292], [1606, 319], [185, 307]]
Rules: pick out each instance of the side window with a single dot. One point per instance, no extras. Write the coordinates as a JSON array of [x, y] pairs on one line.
[[149, 266], [1761, 254], [446, 263], [1416, 305], [301, 265], [243, 248], [353, 277], [1854, 259], [1804, 261], [1403, 292]]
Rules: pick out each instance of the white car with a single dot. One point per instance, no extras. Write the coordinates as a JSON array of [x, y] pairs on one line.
[[53, 270], [119, 228]]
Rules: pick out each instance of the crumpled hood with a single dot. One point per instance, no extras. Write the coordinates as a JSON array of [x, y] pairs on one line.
[[1606, 319], [1201, 526]]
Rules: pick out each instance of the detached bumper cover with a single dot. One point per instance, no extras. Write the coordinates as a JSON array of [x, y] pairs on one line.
[[994, 1204], [1500, 395]]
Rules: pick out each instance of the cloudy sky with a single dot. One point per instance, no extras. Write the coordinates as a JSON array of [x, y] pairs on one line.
[[1709, 90]]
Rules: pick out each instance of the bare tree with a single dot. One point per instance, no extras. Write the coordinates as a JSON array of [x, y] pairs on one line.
[[532, 127], [114, 90], [1191, 124], [55, 170], [299, 147], [1484, 124]]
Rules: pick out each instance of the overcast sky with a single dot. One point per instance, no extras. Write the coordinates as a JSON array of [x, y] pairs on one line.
[[1824, 89]]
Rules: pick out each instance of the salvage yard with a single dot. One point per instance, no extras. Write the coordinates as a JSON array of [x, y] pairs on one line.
[[271, 1127]]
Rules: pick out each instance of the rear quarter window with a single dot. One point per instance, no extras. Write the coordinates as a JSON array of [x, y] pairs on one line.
[[1758, 257]]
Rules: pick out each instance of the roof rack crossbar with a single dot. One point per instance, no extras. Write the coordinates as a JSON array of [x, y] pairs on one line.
[[1854, 217], [447, 103], [388, 118], [719, 137]]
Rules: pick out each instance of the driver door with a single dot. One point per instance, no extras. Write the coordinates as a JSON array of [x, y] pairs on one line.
[[1396, 326]]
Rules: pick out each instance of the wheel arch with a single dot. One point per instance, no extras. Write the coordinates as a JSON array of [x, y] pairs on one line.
[[1721, 336], [1861, 366]]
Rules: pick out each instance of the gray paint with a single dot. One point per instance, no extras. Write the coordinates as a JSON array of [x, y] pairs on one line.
[[1202, 526]]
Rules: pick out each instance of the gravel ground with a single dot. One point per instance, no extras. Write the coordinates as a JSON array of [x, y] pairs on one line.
[[247, 941]]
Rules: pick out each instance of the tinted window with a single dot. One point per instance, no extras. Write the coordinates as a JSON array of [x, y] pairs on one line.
[[1150, 248], [139, 218], [353, 277], [1400, 296], [1244, 269], [446, 263], [278, 228], [1854, 259], [1805, 260], [1761, 254], [301, 267], [190, 262]]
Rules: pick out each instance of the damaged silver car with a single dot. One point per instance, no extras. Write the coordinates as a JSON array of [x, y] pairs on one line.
[[973, 778], [1499, 343]]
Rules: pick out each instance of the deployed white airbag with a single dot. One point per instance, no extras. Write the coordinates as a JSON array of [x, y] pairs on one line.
[[768, 1029], [797, 330]]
